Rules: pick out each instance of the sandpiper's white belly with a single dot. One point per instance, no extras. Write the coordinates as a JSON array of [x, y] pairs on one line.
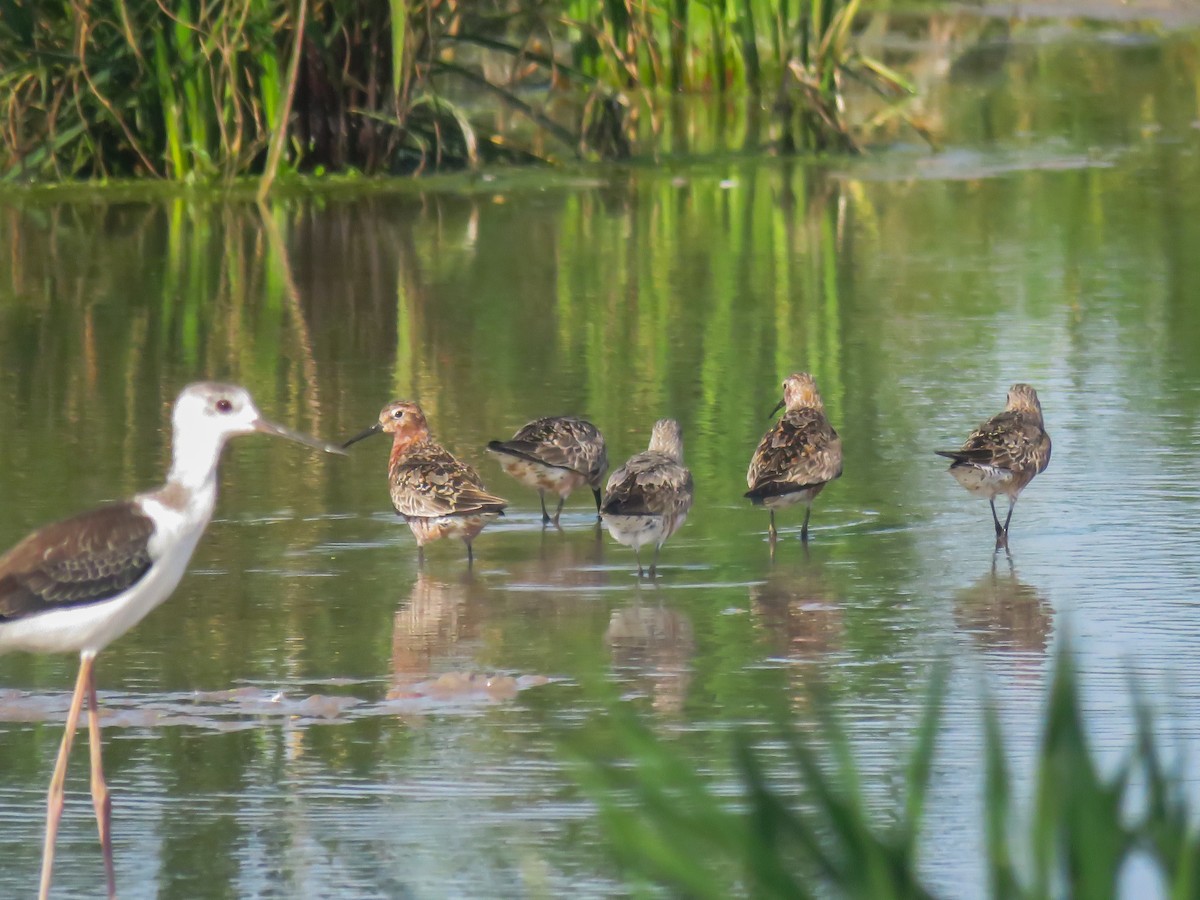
[[780, 501], [642, 531], [539, 476], [465, 527], [984, 481]]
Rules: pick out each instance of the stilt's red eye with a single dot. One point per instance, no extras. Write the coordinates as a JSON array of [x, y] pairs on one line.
[[224, 406]]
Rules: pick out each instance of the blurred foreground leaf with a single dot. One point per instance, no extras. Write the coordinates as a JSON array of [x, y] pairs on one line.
[[804, 824]]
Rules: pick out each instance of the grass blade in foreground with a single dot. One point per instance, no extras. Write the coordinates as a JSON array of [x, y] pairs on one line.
[[667, 824]]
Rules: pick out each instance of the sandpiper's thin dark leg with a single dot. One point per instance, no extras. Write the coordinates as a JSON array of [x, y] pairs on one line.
[[596, 494], [100, 796], [996, 518], [637, 554], [654, 562], [54, 800], [1011, 505], [420, 554], [470, 555], [545, 515], [558, 512], [771, 532], [804, 527]]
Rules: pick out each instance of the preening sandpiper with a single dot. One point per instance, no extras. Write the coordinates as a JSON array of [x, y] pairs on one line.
[[647, 499], [556, 454]]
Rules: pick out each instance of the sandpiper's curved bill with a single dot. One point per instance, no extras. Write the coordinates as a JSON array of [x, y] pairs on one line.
[[777, 407], [377, 428], [268, 427]]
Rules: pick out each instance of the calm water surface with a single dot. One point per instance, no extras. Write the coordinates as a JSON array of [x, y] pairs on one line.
[[313, 716]]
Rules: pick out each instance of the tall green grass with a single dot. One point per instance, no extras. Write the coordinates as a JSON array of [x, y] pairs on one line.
[[802, 823], [200, 90]]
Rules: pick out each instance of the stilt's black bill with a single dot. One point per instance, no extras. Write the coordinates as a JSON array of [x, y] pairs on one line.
[[374, 429], [282, 431]]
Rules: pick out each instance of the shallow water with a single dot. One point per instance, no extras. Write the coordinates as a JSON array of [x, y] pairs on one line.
[[311, 715]]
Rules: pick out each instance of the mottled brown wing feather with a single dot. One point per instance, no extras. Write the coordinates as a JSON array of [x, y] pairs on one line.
[[429, 482], [563, 442], [81, 560], [802, 450], [649, 484], [1010, 440]]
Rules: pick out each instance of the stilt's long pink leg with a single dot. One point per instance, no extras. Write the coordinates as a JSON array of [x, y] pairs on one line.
[[100, 798], [54, 800]]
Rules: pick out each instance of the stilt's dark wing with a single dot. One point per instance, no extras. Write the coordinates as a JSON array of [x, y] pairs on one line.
[[84, 559]]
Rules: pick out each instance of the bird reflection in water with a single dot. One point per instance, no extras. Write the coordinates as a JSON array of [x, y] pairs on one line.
[[566, 561], [797, 612], [652, 648], [431, 634], [1004, 613]]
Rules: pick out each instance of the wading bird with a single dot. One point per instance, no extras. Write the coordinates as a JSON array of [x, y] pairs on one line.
[[798, 456], [647, 499], [1004, 454], [437, 495], [78, 584], [557, 454]]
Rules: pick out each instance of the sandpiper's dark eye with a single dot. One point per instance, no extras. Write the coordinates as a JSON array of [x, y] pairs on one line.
[[224, 405], [398, 414]]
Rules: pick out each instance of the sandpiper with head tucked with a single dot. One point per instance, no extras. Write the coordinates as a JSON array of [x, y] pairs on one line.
[[559, 454], [647, 499], [1004, 454], [799, 455], [437, 495], [78, 584]]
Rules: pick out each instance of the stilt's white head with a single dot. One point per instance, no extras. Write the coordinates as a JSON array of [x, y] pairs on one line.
[[207, 414], [217, 410]]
